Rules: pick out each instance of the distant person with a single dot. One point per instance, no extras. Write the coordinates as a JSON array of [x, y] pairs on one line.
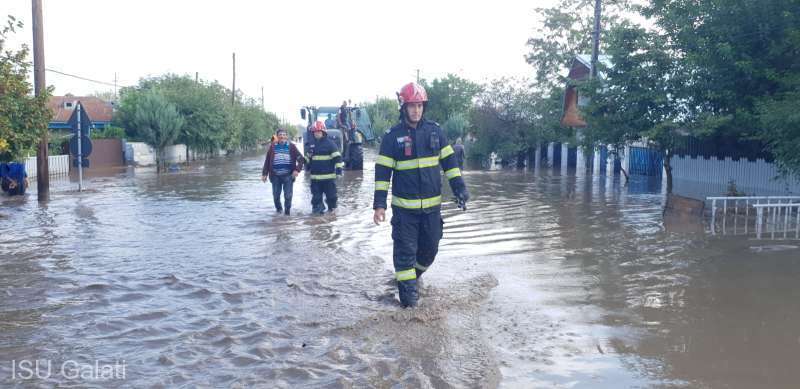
[[460, 155], [341, 119], [330, 122], [282, 165], [325, 165], [411, 156]]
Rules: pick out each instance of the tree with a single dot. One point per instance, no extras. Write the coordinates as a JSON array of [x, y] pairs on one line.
[[780, 118], [108, 95], [158, 123], [738, 51], [202, 106], [449, 96], [456, 126], [383, 113], [291, 128], [211, 122], [512, 119], [23, 117], [742, 59], [566, 31], [639, 97]]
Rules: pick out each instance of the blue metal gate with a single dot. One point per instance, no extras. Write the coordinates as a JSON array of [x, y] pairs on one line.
[[556, 162], [572, 157], [646, 162]]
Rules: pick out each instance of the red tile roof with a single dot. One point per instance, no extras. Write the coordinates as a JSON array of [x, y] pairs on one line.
[[97, 109]]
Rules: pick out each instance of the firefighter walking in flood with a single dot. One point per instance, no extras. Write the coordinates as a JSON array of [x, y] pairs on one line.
[[325, 165], [411, 154]]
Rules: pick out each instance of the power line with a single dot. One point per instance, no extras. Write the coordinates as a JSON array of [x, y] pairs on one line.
[[84, 78], [111, 84]]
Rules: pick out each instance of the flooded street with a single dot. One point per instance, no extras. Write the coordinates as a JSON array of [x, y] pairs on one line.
[[191, 278]]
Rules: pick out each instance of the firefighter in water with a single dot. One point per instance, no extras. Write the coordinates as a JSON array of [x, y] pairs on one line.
[[411, 154], [325, 165]]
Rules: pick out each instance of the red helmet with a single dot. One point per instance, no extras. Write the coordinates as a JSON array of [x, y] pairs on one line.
[[319, 126], [412, 93]]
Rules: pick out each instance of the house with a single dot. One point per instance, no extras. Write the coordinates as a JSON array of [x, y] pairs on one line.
[[581, 69], [99, 111], [568, 156]]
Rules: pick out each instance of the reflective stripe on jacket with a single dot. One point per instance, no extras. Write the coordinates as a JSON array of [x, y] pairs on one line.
[[324, 159], [416, 180]]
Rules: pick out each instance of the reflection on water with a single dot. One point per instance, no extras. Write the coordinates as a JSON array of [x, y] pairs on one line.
[[549, 279]]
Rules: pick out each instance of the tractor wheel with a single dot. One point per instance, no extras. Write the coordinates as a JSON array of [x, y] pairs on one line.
[[356, 157]]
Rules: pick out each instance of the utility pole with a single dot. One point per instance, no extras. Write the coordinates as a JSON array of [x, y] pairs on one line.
[[233, 89], [80, 150], [596, 38], [115, 86], [42, 167], [417, 75], [262, 99], [196, 77]]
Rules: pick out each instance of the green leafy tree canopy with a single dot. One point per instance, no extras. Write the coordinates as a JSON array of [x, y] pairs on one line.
[[23, 117]]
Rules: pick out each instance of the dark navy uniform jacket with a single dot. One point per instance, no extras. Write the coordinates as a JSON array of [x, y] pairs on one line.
[[324, 159], [415, 179]]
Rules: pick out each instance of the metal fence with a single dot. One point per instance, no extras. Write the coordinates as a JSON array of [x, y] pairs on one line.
[[780, 221], [57, 165], [755, 215], [645, 162]]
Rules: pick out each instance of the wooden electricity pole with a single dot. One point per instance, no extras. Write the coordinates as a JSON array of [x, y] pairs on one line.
[[233, 89], [596, 38], [40, 87]]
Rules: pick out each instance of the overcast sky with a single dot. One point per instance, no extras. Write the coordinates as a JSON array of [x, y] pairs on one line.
[[301, 52]]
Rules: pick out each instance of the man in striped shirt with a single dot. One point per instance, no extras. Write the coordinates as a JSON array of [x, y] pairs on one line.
[[282, 165]]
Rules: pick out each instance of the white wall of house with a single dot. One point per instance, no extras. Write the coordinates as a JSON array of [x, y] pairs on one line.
[[141, 154], [175, 153], [144, 155]]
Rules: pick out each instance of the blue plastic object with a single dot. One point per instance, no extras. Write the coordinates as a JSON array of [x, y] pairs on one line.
[[12, 177]]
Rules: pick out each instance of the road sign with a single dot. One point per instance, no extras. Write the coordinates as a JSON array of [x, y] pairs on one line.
[[85, 123], [80, 145], [86, 146], [84, 162]]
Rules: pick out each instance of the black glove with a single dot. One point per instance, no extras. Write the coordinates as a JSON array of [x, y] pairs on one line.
[[462, 196], [339, 171]]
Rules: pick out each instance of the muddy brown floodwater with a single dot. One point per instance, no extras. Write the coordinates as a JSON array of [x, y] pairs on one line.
[[549, 280]]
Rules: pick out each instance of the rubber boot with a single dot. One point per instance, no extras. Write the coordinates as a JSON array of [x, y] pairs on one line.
[[408, 293]]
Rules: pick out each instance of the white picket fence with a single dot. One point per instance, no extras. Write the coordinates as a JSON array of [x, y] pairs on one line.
[[775, 216], [782, 221], [57, 165]]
